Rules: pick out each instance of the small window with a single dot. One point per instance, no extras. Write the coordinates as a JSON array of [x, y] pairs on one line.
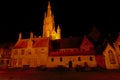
[[91, 58], [52, 59], [61, 60], [15, 52], [79, 59], [22, 52], [29, 52], [42, 49]]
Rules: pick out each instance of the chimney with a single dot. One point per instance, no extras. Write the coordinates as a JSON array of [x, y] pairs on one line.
[[35, 36], [31, 35], [20, 36]]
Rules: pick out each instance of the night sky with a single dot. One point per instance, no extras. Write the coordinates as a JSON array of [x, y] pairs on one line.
[[74, 17]]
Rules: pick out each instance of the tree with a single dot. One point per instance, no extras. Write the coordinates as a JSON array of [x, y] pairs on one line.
[[94, 34]]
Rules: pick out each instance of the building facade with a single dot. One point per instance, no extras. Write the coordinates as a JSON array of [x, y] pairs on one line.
[[52, 51]]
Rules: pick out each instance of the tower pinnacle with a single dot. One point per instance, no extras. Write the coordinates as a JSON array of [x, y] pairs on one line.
[[49, 25]]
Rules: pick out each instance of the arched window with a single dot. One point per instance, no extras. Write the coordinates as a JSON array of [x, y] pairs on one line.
[[111, 57]]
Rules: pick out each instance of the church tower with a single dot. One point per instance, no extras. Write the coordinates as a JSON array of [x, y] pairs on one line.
[[49, 25]]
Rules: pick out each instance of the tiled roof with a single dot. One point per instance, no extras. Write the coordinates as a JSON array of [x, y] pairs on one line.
[[66, 43], [41, 42], [21, 44], [76, 53]]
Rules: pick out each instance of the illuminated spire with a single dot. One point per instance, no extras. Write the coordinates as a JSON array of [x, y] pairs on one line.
[[58, 28], [49, 13], [49, 7], [49, 25], [58, 32]]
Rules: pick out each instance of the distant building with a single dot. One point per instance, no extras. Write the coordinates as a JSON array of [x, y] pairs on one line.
[[52, 51], [110, 56], [34, 50], [117, 48], [5, 57], [68, 52], [30, 52], [72, 52]]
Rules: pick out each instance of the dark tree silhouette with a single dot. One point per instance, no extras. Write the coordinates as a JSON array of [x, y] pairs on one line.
[[94, 34]]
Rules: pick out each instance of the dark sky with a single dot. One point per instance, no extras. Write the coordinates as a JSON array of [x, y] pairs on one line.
[[74, 17]]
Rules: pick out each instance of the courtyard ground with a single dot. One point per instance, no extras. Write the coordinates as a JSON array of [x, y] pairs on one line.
[[58, 75]]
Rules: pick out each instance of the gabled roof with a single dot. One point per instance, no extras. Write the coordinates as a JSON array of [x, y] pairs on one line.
[[103, 46], [67, 53], [85, 39], [118, 39], [23, 43], [72, 42], [40, 42], [109, 45]]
